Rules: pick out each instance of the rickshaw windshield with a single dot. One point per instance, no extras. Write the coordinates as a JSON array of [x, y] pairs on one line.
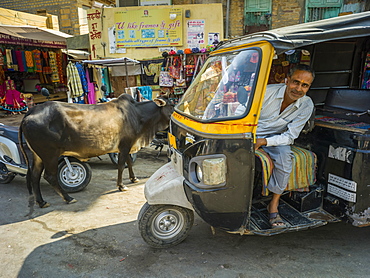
[[222, 89]]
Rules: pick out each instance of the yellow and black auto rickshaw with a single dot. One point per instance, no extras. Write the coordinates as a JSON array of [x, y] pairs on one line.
[[214, 169]]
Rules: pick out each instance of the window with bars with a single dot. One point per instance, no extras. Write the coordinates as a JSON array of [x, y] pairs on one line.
[[322, 9]]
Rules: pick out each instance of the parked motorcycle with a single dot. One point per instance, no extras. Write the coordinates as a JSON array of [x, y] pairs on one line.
[[73, 174]]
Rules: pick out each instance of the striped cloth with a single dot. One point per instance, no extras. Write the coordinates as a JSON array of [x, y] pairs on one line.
[[74, 81], [303, 172]]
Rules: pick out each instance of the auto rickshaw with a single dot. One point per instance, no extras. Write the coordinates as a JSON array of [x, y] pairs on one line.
[[214, 169]]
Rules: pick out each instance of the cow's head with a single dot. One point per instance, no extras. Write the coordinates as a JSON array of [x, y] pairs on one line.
[[166, 106]]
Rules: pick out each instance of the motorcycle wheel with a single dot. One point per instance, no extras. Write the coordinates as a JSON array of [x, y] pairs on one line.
[[78, 179], [7, 178], [114, 158], [162, 226]]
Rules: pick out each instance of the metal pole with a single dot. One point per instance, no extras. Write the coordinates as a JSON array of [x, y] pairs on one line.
[[227, 19], [126, 73]]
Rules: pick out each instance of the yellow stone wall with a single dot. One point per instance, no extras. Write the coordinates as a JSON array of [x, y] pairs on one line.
[[211, 13], [11, 17]]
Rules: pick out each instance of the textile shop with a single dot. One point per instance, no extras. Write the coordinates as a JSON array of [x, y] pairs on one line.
[[93, 81], [28, 65], [175, 71]]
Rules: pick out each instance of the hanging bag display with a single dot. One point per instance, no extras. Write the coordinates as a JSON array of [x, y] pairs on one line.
[[165, 79], [175, 67], [181, 82]]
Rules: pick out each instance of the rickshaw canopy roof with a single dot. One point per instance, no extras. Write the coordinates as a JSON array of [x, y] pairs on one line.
[[300, 35], [113, 62]]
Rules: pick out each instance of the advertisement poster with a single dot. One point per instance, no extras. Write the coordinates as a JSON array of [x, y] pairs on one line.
[[195, 33], [148, 28], [213, 38]]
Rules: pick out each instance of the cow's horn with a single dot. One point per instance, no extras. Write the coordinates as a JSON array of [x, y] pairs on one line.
[[159, 102]]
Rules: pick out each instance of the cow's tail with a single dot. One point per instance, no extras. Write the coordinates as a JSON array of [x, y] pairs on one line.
[[21, 144]]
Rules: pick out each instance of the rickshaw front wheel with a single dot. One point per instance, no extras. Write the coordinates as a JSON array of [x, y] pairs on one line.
[[163, 226]]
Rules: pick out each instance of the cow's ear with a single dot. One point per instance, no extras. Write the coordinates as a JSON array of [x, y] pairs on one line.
[[159, 102]]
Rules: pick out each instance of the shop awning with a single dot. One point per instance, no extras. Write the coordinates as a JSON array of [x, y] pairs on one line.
[[34, 36], [76, 54]]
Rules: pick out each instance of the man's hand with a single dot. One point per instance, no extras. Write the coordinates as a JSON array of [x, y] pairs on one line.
[[260, 142]]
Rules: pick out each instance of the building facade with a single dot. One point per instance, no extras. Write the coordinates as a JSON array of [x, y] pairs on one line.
[[71, 13], [240, 16]]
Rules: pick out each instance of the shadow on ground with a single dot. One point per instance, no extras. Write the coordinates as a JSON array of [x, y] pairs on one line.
[[336, 250]]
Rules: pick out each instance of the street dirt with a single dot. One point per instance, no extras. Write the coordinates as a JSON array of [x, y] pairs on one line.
[[98, 237]]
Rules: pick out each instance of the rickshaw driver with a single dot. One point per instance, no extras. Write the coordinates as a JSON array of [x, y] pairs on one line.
[[285, 110]]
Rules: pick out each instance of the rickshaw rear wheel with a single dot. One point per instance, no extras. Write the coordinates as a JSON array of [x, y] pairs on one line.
[[164, 226]]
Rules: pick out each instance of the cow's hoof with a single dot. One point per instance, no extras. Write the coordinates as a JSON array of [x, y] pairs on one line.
[[122, 188], [71, 201], [44, 205], [134, 180]]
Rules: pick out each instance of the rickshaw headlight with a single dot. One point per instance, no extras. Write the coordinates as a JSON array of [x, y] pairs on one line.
[[199, 172], [208, 171]]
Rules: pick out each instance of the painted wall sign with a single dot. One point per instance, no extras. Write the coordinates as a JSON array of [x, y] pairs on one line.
[[148, 28]]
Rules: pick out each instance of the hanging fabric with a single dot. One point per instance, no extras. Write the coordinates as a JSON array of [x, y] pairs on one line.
[[74, 82], [106, 81], [165, 79], [53, 67], [91, 88], [45, 63], [29, 61], [13, 100]]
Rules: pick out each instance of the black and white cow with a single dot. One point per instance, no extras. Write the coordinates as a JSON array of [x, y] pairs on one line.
[[54, 129]]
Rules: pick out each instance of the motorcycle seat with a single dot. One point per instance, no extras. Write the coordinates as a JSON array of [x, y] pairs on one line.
[[10, 132]]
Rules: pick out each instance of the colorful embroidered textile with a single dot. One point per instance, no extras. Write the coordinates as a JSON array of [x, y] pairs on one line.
[[53, 66], [303, 173], [45, 63], [29, 59], [60, 67], [344, 122], [13, 100], [37, 58]]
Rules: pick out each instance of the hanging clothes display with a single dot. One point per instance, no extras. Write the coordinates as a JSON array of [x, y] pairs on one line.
[[82, 75], [74, 82], [28, 65], [105, 81], [12, 100], [91, 87], [53, 67]]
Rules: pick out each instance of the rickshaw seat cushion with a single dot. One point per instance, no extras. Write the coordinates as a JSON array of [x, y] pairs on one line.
[[356, 100], [303, 174]]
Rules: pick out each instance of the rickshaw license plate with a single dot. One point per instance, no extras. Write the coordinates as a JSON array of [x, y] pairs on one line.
[[176, 160]]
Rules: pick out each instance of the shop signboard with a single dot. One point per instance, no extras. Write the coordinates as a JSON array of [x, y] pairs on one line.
[[154, 2], [148, 28], [7, 39]]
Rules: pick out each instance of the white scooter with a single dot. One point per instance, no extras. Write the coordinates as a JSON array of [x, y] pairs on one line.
[[73, 175]]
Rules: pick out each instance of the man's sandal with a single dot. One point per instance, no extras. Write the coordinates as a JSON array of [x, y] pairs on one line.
[[276, 221]]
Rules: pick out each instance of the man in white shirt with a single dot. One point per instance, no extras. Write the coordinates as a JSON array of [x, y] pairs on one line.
[[285, 110]]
